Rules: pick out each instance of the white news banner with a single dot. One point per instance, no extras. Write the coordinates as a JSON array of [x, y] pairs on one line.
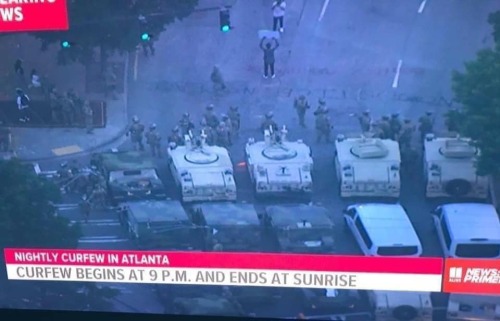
[[240, 277], [269, 34]]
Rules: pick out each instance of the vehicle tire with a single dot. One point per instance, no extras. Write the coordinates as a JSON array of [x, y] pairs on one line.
[[405, 313], [458, 187]]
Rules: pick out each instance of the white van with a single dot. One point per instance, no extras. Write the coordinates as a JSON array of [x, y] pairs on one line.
[[473, 307], [468, 230], [382, 230], [398, 306]]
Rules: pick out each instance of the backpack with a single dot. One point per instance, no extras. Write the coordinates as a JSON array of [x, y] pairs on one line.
[[25, 100]]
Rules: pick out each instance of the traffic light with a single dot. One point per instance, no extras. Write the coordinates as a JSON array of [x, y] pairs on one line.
[[145, 36], [225, 20], [65, 44]]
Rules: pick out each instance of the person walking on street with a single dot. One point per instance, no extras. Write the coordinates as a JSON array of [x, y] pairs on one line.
[[301, 106], [175, 137], [89, 117], [235, 117], [210, 117], [269, 60], [136, 132], [365, 121], [36, 82], [278, 8], [323, 126], [23, 105], [269, 123], [426, 125], [185, 124], [153, 139], [217, 79], [396, 126], [18, 67]]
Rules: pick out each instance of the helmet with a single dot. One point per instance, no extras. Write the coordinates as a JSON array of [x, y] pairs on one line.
[[152, 126], [366, 112], [270, 114], [322, 101], [135, 119], [176, 129], [185, 115], [203, 122], [210, 107]]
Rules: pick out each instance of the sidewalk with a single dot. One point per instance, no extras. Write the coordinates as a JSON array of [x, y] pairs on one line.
[[35, 144]]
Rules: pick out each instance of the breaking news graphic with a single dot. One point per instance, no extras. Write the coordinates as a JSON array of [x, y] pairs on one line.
[[249, 269], [472, 276], [33, 15]]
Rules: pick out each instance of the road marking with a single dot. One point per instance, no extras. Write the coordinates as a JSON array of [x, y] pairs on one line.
[[72, 149], [136, 63], [102, 239], [422, 6], [97, 222], [323, 10], [395, 83]]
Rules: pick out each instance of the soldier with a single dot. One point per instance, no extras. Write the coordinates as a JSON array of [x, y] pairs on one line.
[[426, 125], [89, 117], [406, 134], [396, 126], [222, 135], [153, 139], [68, 110], [185, 124], [323, 126], [175, 137], [209, 132], [98, 196], [228, 124], [210, 117], [454, 119], [301, 106], [269, 123], [77, 104], [365, 121], [376, 131], [217, 79], [385, 126], [136, 132], [235, 117], [55, 106]]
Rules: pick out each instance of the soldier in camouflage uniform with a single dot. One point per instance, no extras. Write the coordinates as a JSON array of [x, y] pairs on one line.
[[396, 126], [153, 139], [385, 126], [88, 114], [175, 137], [365, 121], [406, 136], [269, 123], [210, 117], [68, 110], [136, 133], [228, 125], [222, 135], [217, 79], [376, 131], [185, 124], [209, 132], [426, 125], [323, 125], [55, 101], [235, 117], [301, 106], [454, 119]]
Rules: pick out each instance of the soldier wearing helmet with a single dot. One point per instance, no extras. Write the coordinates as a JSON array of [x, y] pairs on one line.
[[323, 125], [365, 121], [136, 133], [235, 117], [208, 131], [153, 139], [269, 123], [222, 135], [301, 106], [210, 116], [406, 136], [426, 124], [175, 137], [185, 124], [396, 126], [385, 127], [228, 125]]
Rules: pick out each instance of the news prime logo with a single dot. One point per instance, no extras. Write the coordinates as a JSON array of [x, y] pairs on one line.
[[474, 275], [455, 275]]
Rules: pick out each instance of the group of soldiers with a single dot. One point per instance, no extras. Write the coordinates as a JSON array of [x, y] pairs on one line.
[[69, 109]]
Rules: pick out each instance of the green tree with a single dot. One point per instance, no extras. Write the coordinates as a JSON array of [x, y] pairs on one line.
[[114, 25], [478, 90], [494, 21]]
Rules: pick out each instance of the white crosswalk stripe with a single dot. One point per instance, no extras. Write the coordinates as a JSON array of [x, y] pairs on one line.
[[105, 222], [102, 239]]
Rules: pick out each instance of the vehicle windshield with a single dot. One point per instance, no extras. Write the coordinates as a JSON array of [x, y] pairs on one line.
[[397, 250], [478, 250]]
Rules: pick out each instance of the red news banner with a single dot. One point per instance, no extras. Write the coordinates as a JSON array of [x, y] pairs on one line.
[[472, 276], [33, 15], [242, 269]]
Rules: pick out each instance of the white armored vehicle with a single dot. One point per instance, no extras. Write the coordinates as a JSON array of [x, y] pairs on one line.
[[367, 167], [449, 168], [202, 172], [279, 167]]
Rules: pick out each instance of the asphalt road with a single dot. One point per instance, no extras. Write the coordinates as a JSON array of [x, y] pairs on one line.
[[383, 55]]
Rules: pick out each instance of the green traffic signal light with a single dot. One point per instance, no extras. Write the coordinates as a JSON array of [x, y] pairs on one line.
[[65, 44], [145, 37], [225, 28]]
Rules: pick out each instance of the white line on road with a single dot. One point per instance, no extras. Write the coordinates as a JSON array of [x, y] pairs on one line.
[[136, 63], [396, 77], [102, 239], [323, 10], [422, 6]]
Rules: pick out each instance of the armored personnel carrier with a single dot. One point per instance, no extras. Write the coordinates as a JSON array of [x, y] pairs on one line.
[[130, 176], [449, 168], [301, 228], [160, 225], [367, 167], [229, 226], [279, 167], [202, 172]]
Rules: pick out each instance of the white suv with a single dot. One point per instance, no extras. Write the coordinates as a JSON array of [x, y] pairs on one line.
[[382, 230]]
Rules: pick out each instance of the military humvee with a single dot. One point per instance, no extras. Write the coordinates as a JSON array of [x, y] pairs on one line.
[[229, 226], [130, 176], [301, 228], [160, 225]]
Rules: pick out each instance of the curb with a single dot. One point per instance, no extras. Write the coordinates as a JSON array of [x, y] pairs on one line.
[[109, 141]]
